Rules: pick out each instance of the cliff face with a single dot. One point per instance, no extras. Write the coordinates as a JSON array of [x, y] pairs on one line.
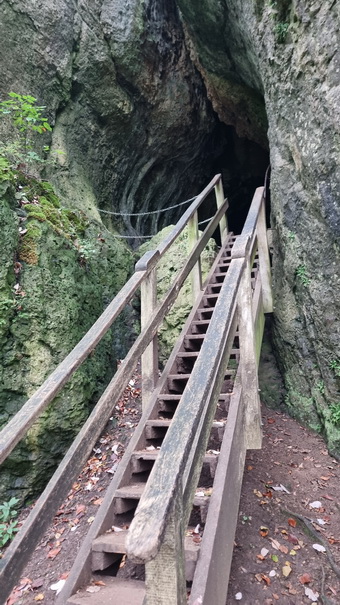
[[57, 276], [148, 99], [128, 107], [287, 53]]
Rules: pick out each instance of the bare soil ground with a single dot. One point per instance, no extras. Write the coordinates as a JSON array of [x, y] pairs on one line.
[[289, 503]]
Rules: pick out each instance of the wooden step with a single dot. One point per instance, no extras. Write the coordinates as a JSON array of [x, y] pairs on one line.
[[114, 543], [127, 495], [140, 457], [116, 590]]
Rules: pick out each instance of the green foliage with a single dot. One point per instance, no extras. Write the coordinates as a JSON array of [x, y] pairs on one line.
[[8, 526], [321, 386], [335, 413], [335, 366], [25, 119], [301, 273], [281, 31]]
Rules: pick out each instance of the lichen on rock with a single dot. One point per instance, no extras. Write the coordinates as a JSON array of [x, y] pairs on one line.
[[58, 274]]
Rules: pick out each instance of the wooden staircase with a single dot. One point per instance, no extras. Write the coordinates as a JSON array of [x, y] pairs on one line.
[[199, 417], [108, 549]]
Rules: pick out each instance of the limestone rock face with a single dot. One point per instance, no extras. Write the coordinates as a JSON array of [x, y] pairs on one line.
[[287, 52], [128, 106], [55, 282]]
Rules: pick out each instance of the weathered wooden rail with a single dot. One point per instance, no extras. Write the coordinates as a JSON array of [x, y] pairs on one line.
[[145, 346]]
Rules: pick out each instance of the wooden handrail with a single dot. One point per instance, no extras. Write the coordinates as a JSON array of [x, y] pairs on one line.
[[19, 550]]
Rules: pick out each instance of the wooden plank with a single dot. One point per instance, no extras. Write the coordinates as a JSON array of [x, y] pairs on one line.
[[164, 575], [248, 364], [264, 260], [210, 584], [218, 538], [196, 273], [149, 360], [219, 193], [149, 523]]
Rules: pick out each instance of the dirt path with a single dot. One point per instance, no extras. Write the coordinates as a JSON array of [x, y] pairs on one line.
[[274, 559], [293, 473]]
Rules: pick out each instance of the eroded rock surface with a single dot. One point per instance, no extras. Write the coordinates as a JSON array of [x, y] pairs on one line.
[[287, 52]]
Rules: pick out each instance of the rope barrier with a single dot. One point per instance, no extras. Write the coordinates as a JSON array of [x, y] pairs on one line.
[[147, 213], [151, 236]]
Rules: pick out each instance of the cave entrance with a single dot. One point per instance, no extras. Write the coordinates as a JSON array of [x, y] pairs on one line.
[[242, 163]]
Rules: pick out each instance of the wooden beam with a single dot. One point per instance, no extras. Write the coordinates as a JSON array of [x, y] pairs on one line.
[[165, 575], [210, 584], [264, 260], [219, 193], [150, 355], [196, 273], [166, 243], [248, 363]]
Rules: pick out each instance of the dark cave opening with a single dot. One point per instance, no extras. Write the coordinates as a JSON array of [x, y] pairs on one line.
[[243, 164], [170, 181]]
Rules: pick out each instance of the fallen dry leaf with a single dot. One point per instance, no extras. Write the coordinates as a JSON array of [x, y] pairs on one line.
[[286, 570], [39, 597], [53, 553], [305, 578]]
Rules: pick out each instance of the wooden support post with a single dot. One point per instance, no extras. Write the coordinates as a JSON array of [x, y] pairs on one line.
[[248, 363], [219, 193], [150, 355], [196, 273], [165, 574], [264, 260]]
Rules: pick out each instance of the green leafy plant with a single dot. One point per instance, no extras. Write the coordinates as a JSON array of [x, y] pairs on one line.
[[301, 273], [335, 366], [281, 31], [25, 119], [321, 386], [8, 525], [335, 413]]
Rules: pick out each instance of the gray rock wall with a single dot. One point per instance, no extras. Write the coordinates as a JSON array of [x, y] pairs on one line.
[[288, 53]]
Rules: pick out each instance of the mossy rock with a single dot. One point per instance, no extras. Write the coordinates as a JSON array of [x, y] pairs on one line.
[[57, 276]]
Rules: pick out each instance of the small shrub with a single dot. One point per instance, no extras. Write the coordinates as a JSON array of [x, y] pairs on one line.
[[301, 273], [8, 525], [335, 413], [335, 366], [281, 31]]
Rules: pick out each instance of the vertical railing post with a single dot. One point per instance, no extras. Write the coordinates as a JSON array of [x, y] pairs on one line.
[[196, 273], [264, 260], [165, 574], [150, 355], [248, 362], [149, 359], [219, 193]]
